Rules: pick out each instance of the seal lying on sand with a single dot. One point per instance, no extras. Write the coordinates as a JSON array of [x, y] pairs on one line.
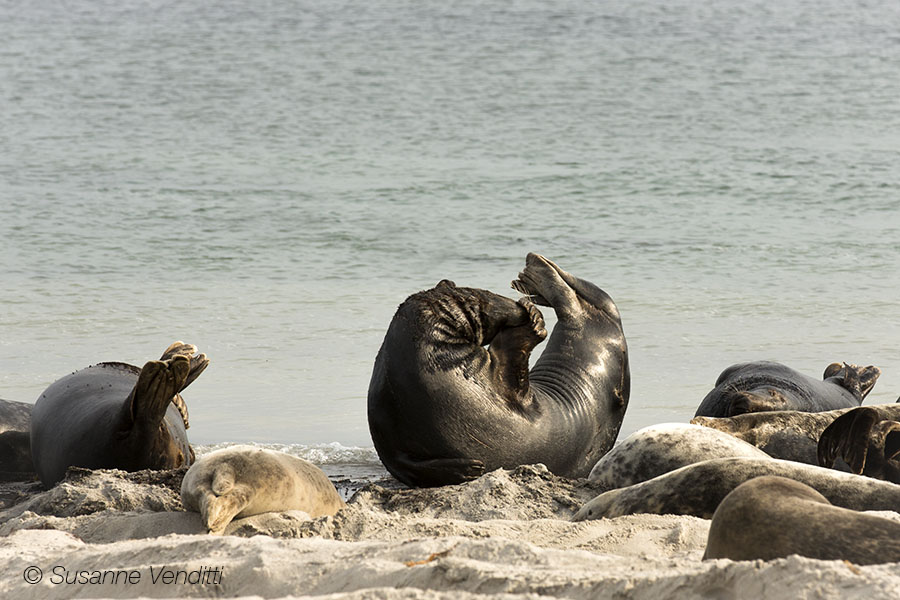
[[240, 481], [698, 489], [790, 434], [443, 408], [868, 439], [658, 449], [773, 517], [116, 416], [763, 386], [15, 441]]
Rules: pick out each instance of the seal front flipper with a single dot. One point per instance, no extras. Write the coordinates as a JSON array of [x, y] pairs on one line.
[[436, 472], [510, 351], [848, 438], [866, 441], [224, 501]]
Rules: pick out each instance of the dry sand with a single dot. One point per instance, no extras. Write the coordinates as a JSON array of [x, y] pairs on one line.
[[505, 535]]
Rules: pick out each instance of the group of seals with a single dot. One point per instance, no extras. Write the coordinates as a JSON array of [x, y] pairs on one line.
[[116, 416], [442, 408]]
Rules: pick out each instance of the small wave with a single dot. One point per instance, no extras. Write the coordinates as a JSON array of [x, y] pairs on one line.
[[332, 453]]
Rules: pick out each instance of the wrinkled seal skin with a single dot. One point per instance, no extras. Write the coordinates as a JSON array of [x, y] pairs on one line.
[[658, 449], [15, 441], [867, 439], [443, 409], [768, 386], [773, 517], [698, 489], [116, 416], [240, 481]]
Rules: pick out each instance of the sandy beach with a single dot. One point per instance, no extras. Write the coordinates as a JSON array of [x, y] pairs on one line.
[[109, 534]]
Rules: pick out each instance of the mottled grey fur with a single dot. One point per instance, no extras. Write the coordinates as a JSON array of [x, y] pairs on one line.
[[699, 488], [658, 449]]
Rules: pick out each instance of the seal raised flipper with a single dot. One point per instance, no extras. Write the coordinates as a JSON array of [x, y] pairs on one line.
[[867, 439], [857, 380], [115, 416]]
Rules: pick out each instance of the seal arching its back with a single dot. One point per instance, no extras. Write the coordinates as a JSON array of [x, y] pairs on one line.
[[443, 408]]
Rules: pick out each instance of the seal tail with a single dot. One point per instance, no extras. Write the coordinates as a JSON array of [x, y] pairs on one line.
[[199, 362]]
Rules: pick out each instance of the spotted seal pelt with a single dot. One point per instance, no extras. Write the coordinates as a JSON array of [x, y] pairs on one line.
[[698, 489], [658, 449]]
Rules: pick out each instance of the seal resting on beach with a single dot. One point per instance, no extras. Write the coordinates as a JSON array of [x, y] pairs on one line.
[[765, 386], [790, 434], [116, 416], [698, 489], [867, 439], [773, 517], [241, 481], [15, 441], [658, 449], [443, 408]]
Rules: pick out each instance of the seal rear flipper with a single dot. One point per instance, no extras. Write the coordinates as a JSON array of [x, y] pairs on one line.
[[847, 437], [199, 362], [436, 472], [859, 381], [157, 385]]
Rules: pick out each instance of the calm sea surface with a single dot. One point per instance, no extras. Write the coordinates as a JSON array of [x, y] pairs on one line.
[[269, 180]]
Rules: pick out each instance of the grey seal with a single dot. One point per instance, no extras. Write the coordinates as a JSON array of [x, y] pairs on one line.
[[443, 408], [867, 439], [698, 489], [658, 449], [773, 517], [764, 386], [116, 416], [240, 481], [15, 441]]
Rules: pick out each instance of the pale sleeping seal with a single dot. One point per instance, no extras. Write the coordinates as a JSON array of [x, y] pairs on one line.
[[773, 517], [240, 481]]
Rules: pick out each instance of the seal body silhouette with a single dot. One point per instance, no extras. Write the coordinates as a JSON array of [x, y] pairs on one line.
[[451, 394], [241, 481], [773, 517], [116, 416], [15, 441], [698, 489], [767, 386]]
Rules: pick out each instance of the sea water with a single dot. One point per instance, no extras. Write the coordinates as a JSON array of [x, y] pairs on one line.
[[269, 180]]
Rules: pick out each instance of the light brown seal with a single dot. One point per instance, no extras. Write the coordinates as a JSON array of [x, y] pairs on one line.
[[240, 481], [774, 517]]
